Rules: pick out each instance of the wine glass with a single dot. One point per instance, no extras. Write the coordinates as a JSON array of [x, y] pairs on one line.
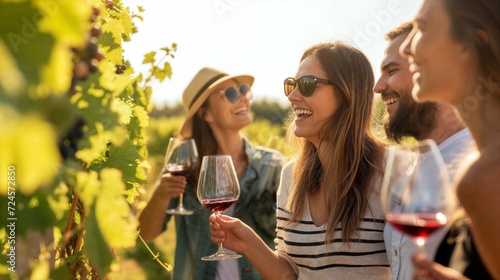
[[218, 190], [417, 194], [181, 159]]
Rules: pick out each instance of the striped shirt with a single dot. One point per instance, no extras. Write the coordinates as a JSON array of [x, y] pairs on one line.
[[303, 245]]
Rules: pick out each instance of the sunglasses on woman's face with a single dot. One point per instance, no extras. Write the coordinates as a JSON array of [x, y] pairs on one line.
[[232, 94], [307, 84]]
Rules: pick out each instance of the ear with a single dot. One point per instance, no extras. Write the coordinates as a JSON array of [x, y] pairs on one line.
[[482, 36], [204, 114]]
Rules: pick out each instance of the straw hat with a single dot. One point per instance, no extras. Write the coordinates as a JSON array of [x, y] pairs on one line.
[[201, 86]]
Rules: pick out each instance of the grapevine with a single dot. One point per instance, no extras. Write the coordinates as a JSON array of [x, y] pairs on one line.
[[74, 116]]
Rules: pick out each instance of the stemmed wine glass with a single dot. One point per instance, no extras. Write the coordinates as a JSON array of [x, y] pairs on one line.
[[181, 159], [417, 194], [218, 190]]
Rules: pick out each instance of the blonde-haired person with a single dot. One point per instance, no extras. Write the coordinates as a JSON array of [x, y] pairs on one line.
[[330, 221], [218, 108], [454, 52]]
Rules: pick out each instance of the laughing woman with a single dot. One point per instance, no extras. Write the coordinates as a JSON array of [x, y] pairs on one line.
[[218, 108], [454, 50], [330, 220]]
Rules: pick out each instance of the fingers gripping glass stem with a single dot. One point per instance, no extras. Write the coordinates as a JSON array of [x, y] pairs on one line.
[[181, 159]]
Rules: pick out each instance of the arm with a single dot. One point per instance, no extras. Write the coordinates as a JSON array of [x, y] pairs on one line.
[[426, 269], [237, 236], [479, 194], [152, 217]]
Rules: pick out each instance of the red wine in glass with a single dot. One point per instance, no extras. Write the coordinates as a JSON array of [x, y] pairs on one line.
[[180, 170], [218, 205], [181, 159], [419, 225], [417, 194], [218, 189]]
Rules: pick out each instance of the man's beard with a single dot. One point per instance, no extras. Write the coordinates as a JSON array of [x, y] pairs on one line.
[[410, 119]]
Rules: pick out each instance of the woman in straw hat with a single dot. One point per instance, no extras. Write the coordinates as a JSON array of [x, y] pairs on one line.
[[330, 219], [454, 52], [218, 107]]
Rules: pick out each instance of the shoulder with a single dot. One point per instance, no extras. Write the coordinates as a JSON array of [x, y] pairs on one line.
[[286, 181], [268, 153], [288, 168], [480, 181], [256, 152]]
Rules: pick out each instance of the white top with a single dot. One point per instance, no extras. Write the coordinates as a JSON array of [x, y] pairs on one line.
[[228, 269], [400, 247], [303, 244]]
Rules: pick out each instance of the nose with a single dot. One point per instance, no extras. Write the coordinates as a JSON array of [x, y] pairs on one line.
[[405, 48], [245, 97], [381, 85], [294, 95]]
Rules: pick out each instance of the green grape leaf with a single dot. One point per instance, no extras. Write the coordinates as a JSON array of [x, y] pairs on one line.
[[121, 84], [115, 55], [123, 110], [140, 96], [93, 146], [149, 57], [158, 73], [58, 200], [137, 129], [115, 27], [127, 159], [95, 246], [110, 48], [167, 69], [65, 20], [22, 139], [140, 121], [113, 213], [60, 272], [40, 269], [128, 25], [31, 48], [148, 91], [58, 69], [11, 79], [87, 187], [28, 212], [102, 125]]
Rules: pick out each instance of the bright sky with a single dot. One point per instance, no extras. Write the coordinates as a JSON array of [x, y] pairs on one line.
[[263, 38]]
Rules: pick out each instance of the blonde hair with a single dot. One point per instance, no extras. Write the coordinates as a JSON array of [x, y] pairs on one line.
[[355, 154]]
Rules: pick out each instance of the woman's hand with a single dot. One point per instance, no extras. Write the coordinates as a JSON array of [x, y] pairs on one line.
[[153, 215], [426, 269], [170, 186], [231, 232]]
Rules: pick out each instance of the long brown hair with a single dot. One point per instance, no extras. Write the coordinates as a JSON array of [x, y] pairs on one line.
[[204, 138], [467, 17], [355, 154]]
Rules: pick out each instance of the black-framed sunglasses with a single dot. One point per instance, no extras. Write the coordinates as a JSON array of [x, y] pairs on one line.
[[232, 94], [307, 84]]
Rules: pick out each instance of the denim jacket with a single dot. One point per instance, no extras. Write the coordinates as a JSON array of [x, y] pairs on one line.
[[256, 207]]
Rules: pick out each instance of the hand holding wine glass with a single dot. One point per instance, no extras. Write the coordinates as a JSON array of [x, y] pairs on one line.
[[218, 190], [181, 159], [417, 193]]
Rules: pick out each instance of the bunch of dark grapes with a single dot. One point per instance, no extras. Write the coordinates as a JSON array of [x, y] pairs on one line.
[[120, 69], [68, 145], [86, 60]]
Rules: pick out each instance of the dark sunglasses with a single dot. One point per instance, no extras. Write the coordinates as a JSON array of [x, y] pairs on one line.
[[307, 84], [232, 94]]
